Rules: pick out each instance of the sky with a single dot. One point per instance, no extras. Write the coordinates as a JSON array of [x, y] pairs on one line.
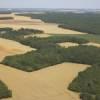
[[87, 4]]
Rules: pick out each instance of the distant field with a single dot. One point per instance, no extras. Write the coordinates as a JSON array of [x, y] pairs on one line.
[[87, 22]]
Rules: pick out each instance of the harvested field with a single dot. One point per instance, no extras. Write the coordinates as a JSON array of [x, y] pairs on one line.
[[46, 84], [9, 47], [67, 44]]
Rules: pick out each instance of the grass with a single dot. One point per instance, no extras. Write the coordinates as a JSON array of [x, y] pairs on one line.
[[4, 91]]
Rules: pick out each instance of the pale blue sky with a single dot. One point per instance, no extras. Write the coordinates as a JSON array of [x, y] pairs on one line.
[[93, 4]]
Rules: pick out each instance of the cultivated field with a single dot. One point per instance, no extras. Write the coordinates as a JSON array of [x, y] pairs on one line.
[[50, 83], [8, 47]]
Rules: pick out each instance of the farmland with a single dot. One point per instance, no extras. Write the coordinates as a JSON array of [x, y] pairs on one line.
[[86, 22], [51, 54]]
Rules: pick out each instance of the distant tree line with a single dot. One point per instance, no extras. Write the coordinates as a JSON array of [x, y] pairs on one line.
[[85, 22]]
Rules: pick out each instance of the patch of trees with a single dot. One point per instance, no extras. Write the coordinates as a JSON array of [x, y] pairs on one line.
[[4, 91], [36, 60], [87, 83], [52, 55], [87, 22]]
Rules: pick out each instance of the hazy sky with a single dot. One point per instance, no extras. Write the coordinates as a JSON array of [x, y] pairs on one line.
[[50, 4]]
